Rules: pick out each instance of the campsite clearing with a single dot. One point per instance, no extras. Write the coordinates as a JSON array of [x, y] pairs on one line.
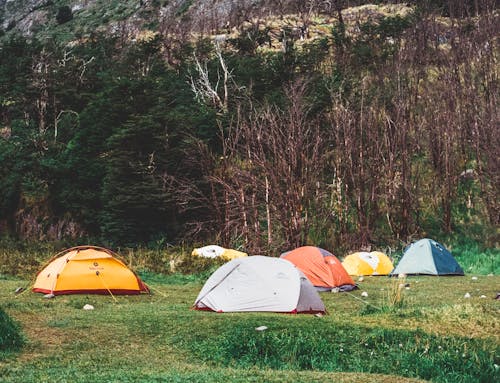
[[432, 333]]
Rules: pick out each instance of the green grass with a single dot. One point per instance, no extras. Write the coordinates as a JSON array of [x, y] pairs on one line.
[[10, 336], [159, 338], [475, 260], [352, 348]]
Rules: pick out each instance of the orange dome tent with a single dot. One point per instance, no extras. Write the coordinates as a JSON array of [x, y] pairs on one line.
[[321, 267], [363, 263], [87, 270]]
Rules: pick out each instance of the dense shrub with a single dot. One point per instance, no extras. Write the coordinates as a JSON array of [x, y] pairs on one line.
[[10, 335], [64, 14]]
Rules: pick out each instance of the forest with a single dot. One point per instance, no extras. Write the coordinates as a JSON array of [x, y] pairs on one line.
[[327, 125]]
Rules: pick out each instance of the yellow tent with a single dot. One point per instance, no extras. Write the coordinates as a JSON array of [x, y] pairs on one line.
[[231, 254], [363, 263], [87, 270], [214, 251]]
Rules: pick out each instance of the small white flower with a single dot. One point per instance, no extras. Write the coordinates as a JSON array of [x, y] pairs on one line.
[[467, 295], [401, 345], [341, 350], [364, 294]]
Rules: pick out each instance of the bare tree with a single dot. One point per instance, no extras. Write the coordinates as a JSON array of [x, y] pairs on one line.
[[41, 82], [213, 92], [273, 173]]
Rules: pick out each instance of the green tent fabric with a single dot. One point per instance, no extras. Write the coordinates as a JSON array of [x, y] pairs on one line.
[[429, 257]]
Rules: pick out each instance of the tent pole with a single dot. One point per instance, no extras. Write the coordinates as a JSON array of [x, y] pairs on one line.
[[106, 286]]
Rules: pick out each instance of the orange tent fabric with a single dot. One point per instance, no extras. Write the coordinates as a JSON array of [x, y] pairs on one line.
[[321, 267], [87, 270]]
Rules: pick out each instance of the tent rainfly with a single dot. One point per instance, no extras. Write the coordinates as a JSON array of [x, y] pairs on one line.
[[428, 257], [259, 284], [364, 263], [87, 270], [215, 251], [321, 267]]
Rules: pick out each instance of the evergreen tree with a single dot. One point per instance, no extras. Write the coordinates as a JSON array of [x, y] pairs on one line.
[[134, 192]]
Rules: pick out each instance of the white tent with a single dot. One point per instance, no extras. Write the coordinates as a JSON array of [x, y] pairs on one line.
[[259, 283], [210, 251], [215, 251]]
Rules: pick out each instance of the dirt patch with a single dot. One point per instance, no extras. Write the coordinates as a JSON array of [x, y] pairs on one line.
[[41, 339]]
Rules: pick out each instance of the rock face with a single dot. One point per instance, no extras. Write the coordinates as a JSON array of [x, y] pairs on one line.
[[23, 15], [206, 17], [30, 16]]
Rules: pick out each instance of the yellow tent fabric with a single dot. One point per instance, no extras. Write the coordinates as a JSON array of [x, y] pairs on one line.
[[87, 270], [215, 251], [363, 263], [230, 254]]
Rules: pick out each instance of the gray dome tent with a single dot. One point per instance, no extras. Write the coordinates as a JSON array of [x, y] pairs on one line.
[[259, 283], [428, 257]]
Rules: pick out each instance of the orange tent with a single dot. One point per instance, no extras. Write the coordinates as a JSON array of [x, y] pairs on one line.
[[321, 267], [87, 270]]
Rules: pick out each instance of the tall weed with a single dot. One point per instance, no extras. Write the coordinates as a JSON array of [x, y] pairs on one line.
[[476, 260]]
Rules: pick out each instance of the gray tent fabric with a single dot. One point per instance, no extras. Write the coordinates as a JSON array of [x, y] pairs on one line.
[[309, 299], [427, 257], [258, 283]]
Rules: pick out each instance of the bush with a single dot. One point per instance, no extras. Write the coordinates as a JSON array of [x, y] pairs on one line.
[[10, 335], [24, 259], [198, 265], [64, 14]]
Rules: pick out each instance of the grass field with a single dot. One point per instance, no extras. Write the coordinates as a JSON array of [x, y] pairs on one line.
[[433, 333]]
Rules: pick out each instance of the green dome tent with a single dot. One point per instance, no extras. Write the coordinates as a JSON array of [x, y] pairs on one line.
[[428, 257]]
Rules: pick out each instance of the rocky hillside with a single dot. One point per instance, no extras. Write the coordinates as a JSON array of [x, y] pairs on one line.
[[265, 25], [32, 16], [67, 20]]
